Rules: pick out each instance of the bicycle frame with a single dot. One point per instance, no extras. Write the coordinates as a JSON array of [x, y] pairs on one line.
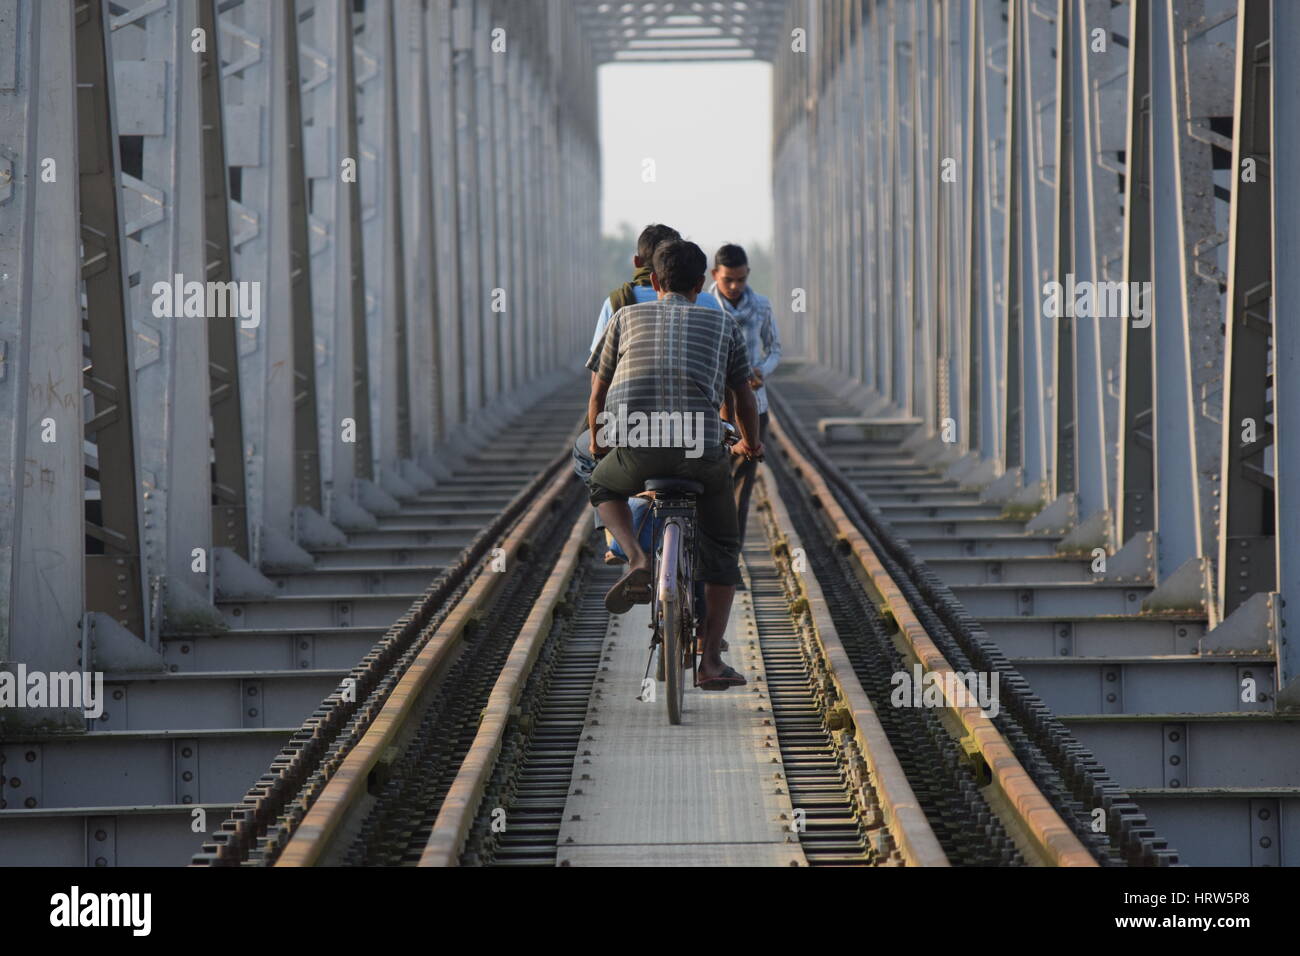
[[673, 543]]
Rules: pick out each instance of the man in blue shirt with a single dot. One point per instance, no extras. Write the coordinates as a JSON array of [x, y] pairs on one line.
[[753, 312], [639, 289]]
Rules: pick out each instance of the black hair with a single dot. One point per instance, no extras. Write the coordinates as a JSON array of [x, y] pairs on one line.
[[651, 236], [679, 265], [730, 256]]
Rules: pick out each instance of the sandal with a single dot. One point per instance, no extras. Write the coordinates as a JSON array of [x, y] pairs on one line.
[[631, 588], [730, 677]]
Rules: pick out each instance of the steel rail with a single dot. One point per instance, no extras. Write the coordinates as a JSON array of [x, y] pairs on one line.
[[311, 746], [903, 815], [313, 835], [451, 828], [1079, 785], [1039, 819]]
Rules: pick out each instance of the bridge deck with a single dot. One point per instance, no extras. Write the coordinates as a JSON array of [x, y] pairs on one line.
[[708, 792]]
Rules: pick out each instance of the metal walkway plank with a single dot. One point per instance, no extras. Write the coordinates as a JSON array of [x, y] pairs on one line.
[[709, 792]]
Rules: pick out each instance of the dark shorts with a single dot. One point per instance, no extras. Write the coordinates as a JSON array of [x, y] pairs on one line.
[[623, 473]]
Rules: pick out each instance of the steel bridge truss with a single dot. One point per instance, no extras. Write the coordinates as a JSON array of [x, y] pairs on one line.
[[370, 194], [938, 164]]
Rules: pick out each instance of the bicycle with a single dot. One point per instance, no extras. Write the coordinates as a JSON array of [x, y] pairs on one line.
[[672, 596], [672, 574]]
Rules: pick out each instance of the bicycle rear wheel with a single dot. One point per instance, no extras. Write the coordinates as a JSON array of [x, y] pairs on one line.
[[671, 622], [674, 679]]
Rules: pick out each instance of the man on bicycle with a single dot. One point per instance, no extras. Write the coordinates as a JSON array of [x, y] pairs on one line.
[[673, 360], [637, 290]]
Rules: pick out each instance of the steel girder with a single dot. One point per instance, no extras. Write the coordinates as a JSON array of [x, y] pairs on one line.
[[648, 30], [333, 159], [278, 358], [176, 223], [41, 486], [1284, 159]]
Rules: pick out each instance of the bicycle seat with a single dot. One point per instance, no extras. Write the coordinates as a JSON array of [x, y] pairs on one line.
[[683, 486]]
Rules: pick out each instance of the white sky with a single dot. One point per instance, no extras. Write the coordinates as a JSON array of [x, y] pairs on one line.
[[712, 159]]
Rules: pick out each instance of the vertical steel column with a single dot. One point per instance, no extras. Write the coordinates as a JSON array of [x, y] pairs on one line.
[[1188, 347], [291, 262], [1284, 100], [943, 286], [925, 195], [976, 425], [863, 203], [854, 158], [468, 317], [957, 61], [1246, 547], [42, 502], [277, 362], [1135, 508], [1102, 83], [1035, 78], [993, 240], [488, 277], [333, 162], [245, 101], [902, 180], [114, 577], [881, 122], [229, 483], [552, 180], [419, 240], [1089, 215], [159, 107], [381, 197], [888, 218], [537, 223], [1011, 345], [504, 278], [1065, 468], [521, 312], [841, 237], [443, 123]]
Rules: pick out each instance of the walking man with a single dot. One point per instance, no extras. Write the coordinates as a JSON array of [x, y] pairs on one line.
[[753, 313]]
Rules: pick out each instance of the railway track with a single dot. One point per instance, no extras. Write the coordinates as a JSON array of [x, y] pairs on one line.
[[493, 737], [533, 779], [1101, 815], [484, 497]]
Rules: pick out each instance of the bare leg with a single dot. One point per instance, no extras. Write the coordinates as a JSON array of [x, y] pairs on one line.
[[717, 599], [618, 519]]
